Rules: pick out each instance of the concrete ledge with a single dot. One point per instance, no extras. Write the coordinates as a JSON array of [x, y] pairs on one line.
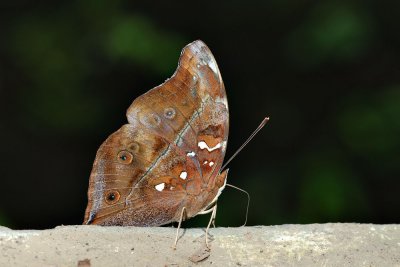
[[285, 245]]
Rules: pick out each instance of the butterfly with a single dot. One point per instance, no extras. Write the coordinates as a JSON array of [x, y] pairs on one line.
[[164, 165]]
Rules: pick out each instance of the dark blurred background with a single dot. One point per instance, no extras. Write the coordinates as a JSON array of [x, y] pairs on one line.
[[326, 72]]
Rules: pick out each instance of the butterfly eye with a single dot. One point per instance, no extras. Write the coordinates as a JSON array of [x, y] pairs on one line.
[[112, 197], [125, 157]]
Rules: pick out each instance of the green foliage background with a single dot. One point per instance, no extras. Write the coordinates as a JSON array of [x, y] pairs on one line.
[[326, 72]]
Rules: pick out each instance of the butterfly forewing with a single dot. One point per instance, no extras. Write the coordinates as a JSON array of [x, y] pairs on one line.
[[170, 154]]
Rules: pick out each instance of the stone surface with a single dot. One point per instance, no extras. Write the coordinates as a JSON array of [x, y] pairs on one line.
[[284, 245]]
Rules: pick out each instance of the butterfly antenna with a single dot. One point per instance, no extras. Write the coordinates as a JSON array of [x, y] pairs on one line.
[[262, 124], [248, 200]]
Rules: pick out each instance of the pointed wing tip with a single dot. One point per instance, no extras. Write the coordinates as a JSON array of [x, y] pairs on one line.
[[197, 47], [203, 56], [198, 43]]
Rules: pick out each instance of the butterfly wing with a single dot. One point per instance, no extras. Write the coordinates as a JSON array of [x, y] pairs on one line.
[[170, 154]]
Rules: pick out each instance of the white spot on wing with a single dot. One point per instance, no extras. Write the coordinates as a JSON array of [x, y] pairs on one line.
[[203, 145], [205, 162], [191, 154], [211, 164], [183, 175], [160, 187]]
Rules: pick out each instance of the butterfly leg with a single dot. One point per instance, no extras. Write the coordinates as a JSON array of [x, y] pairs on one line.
[[212, 220], [207, 212], [179, 226]]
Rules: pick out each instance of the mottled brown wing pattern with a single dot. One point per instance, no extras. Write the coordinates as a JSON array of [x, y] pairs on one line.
[[170, 154]]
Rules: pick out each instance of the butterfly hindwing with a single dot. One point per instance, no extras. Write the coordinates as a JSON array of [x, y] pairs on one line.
[[170, 154]]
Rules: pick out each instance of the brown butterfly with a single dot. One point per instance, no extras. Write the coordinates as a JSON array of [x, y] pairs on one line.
[[165, 165]]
